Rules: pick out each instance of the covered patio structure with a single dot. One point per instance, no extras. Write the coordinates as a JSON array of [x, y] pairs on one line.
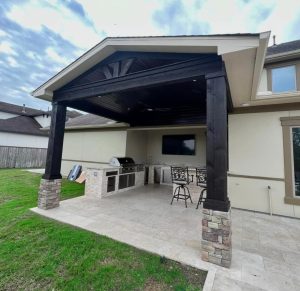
[[162, 81]]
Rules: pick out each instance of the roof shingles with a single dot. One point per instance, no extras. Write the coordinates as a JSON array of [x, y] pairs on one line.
[[284, 47], [22, 125], [20, 110], [88, 119]]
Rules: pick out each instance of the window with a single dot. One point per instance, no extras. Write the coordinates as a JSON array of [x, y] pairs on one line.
[[296, 159], [291, 147], [284, 79]]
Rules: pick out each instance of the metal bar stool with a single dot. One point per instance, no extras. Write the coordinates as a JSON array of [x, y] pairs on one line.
[[201, 176], [180, 176]]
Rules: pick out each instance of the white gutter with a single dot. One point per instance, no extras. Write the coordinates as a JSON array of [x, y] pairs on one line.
[[282, 56]]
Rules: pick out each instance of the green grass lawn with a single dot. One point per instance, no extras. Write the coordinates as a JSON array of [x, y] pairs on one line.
[[40, 254]]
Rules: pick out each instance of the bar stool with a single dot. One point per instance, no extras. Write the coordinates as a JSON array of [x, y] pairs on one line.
[[180, 176], [201, 176]]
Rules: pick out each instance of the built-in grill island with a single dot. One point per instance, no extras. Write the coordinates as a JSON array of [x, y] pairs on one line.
[[121, 174]]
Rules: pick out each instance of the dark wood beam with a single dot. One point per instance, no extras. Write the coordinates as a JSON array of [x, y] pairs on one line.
[[216, 144], [55, 144], [162, 75]]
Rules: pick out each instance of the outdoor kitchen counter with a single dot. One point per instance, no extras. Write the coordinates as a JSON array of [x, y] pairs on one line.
[[106, 180]]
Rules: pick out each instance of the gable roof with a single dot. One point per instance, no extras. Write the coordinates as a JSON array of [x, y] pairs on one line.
[[243, 54], [284, 47], [22, 125], [19, 110]]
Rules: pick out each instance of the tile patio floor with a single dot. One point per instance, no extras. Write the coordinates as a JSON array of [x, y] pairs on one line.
[[266, 249]]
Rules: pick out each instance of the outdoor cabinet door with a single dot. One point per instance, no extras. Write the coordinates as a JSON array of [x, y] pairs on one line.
[[131, 180], [123, 181]]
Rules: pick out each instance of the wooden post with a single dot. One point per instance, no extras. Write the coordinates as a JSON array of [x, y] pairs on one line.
[[55, 144], [216, 144]]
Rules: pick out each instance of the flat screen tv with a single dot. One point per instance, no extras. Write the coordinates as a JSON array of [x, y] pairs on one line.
[[178, 145]]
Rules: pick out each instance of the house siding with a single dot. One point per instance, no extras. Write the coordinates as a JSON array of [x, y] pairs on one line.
[[23, 140]]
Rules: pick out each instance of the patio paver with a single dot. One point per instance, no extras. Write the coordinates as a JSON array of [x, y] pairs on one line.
[[266, 249]]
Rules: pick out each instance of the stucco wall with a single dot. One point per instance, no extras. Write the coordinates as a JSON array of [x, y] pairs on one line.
[[256, 149], [23, 140], [90, 148], [136, 145]]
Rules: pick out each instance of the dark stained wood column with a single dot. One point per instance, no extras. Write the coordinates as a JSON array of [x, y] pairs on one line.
[[55, 144], [216, 144]]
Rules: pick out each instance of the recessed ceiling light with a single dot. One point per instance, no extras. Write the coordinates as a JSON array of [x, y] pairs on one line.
[[149, 109], [194, 80]]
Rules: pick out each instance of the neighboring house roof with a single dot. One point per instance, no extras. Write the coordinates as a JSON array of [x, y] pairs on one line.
[[22, 125], [91, 121], [73, 114], [20, 110], [27, 111], [284, 47], [88, 119]]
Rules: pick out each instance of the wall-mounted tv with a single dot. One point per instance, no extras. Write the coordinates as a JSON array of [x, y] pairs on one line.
[[179, 144]]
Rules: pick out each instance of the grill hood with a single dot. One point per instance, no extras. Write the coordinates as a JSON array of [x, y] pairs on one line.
[[121, 161]]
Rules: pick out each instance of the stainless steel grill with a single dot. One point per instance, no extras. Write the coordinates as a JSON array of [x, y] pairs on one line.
[[126, 164]]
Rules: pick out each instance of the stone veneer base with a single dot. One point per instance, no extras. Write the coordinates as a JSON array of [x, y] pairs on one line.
[[49, 193], [216, 237]]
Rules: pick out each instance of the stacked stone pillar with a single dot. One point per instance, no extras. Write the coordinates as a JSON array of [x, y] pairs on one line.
[[216, 237], [49, 193]]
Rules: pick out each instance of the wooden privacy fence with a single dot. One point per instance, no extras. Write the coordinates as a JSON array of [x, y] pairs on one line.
[[20, 157]]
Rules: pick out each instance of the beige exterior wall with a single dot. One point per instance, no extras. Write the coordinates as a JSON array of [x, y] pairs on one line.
[[91, 148], [23, 140], [256, 149], [136, 146]]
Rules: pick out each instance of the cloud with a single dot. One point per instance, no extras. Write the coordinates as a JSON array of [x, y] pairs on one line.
[[56, 17], [40, 37], [12, 62], [6, 48], [175, 17], [122, 18], [230, 16], [2, 33], [51, 53]]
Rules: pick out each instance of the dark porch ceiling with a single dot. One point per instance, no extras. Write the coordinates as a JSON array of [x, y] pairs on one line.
[[145, 89], [169, 104]]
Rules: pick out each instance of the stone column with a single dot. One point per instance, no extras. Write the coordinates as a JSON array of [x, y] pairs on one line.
[[50, 185], [49, 193], [216, 237]]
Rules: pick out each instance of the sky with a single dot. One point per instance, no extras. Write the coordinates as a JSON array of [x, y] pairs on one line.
[[39, 38]]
